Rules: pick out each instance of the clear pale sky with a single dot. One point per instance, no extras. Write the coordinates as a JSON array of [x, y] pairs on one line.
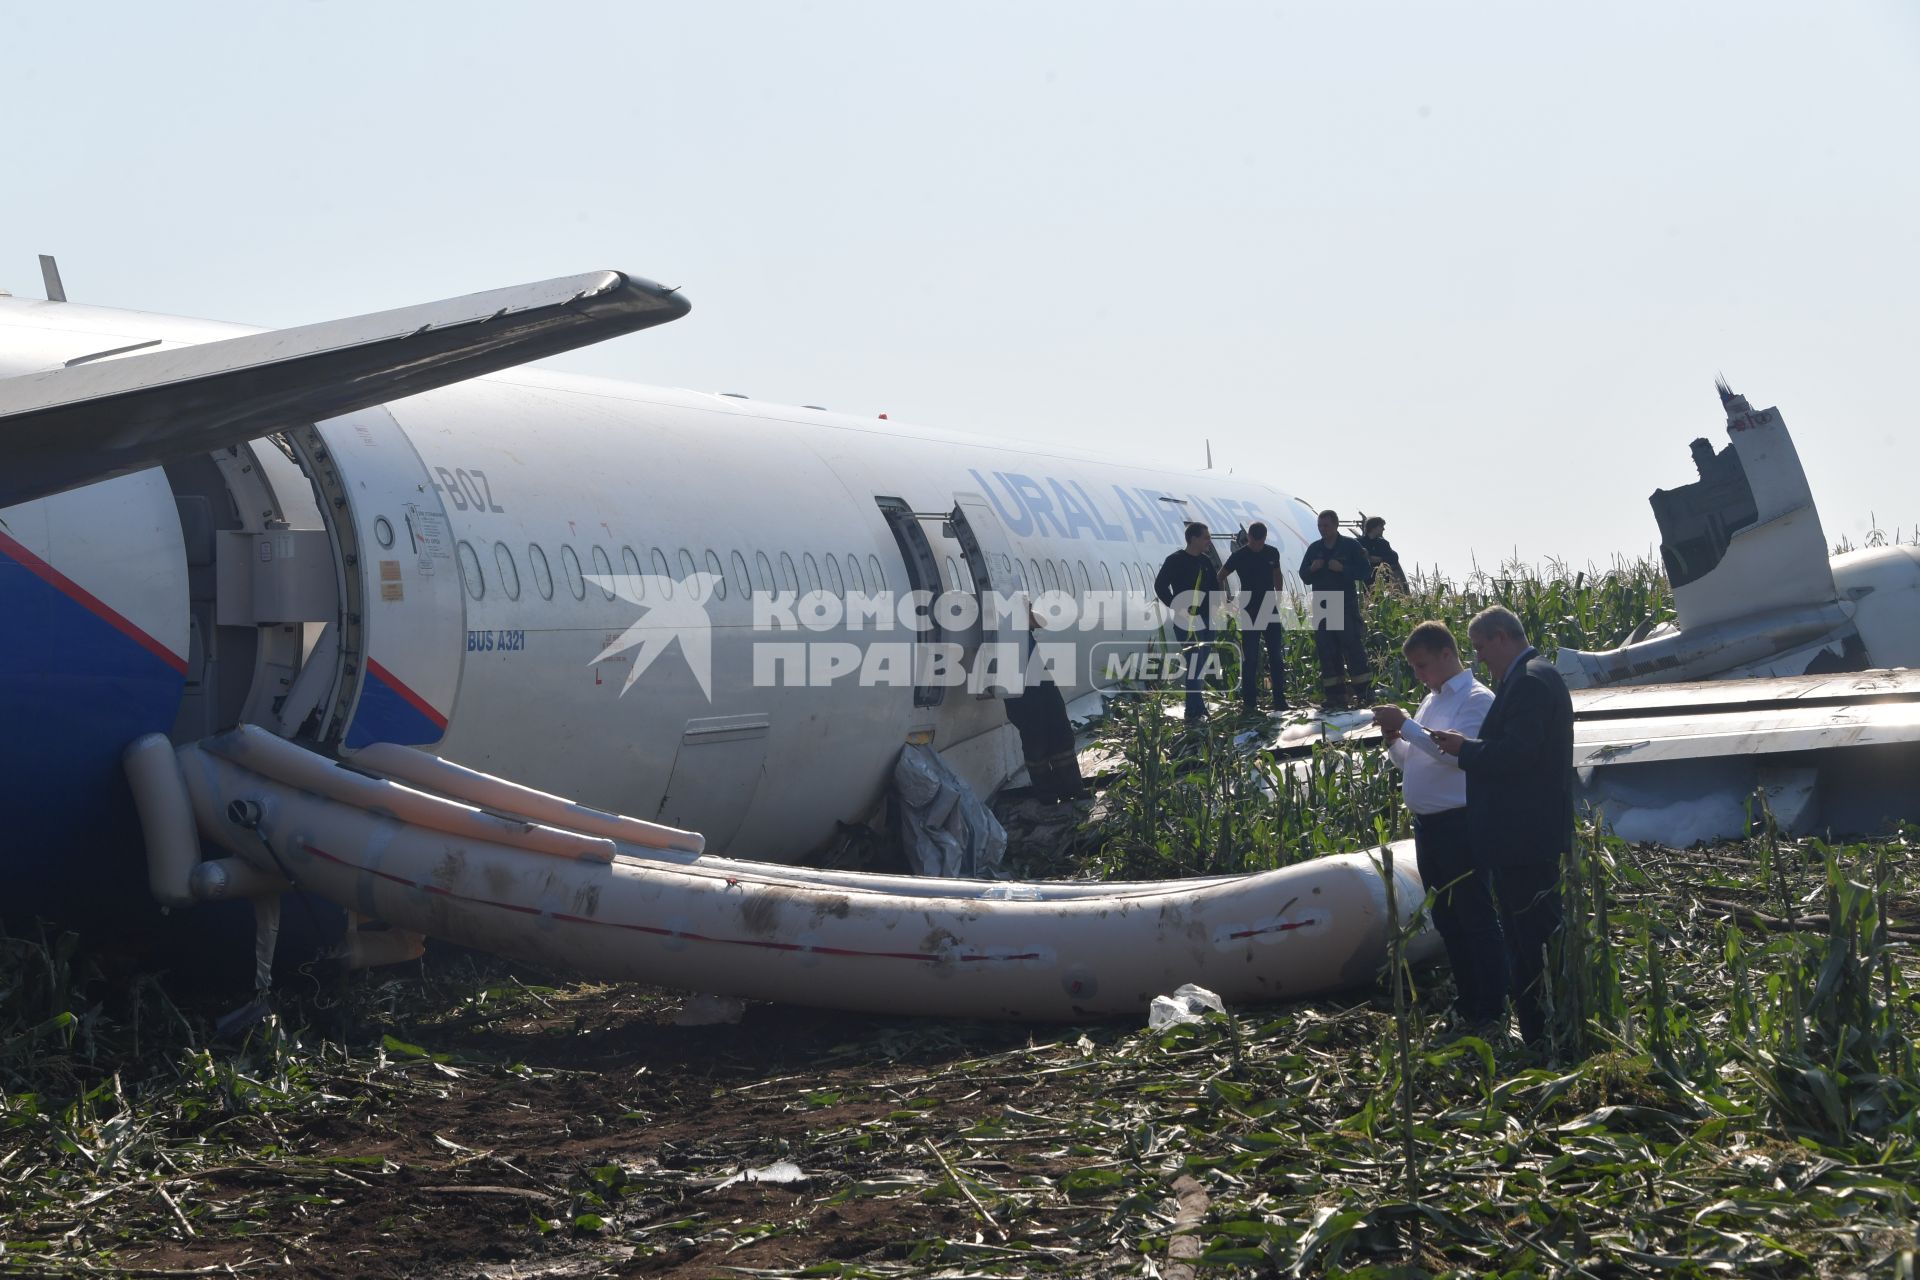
[[1473, 267]]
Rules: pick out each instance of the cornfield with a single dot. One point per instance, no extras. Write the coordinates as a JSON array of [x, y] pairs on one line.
[[1731, 1090]]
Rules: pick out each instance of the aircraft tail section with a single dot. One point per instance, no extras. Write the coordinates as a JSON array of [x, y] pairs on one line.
[[1745, 538], [1747, 559]]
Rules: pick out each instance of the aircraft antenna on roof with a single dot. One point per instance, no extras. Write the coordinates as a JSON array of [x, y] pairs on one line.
[[50, 275]]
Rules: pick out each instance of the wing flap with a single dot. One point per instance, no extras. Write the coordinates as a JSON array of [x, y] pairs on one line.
[[1745, 717], [1843, 688], [72, 426]]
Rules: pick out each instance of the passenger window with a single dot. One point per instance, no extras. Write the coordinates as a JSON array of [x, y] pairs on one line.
[[570, 565], [719, 587], [509, 572], [854, 578], [787, 574], [813, 571], [688, 567], [833, 577], [1107, 571], [662, 571], [1086, 583], [876, 576], [542, 571], [742, 585], [470, 571], [603, 570], [763, 572], [630, 562], [1035, 583], [1049, 575]]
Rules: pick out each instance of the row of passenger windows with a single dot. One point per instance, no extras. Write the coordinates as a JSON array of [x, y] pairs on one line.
[[731, 577], [734, 577]]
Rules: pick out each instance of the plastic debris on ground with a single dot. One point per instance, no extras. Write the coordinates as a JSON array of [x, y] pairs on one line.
[[778, 1171], [945, 829], [1188, 1003]]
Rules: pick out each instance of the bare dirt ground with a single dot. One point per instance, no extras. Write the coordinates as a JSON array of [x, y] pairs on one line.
[[584, 1134]]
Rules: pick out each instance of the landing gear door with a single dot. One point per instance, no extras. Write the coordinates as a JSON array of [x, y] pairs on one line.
[[997, 583]]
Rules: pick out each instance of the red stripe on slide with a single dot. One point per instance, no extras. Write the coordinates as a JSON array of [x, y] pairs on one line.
[[86, 599], [1285, 926]]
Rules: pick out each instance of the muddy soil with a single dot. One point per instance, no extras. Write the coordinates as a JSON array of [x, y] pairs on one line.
[[587, 1134]]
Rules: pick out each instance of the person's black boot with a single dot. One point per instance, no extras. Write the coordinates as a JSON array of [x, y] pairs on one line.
[[1063, 775]]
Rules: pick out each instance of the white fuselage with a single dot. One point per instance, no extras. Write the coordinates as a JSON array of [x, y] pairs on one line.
[[423, 573]]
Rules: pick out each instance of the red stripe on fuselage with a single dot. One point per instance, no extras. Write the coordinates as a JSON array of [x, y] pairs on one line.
[[412, 699], [91, 603]]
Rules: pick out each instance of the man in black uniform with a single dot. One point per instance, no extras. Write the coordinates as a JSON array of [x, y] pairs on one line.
[[1256, 568], [1373, 536], [1188, 585], [1333, 569], [1520, 800]]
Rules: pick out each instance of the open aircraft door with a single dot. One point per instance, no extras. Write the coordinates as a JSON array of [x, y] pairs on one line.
[[1001, 592], [395, 652]]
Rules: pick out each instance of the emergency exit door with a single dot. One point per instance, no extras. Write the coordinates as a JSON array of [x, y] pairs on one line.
[[923, 576], [998, 650]]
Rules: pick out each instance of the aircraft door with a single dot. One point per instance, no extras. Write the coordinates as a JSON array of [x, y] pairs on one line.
[[923, 576], [1003, 621], [401, 637]]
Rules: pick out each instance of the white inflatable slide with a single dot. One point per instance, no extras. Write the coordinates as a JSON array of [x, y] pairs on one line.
[[439, 850]]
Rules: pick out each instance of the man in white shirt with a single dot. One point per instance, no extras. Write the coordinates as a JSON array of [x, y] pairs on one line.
[[1436, 792]]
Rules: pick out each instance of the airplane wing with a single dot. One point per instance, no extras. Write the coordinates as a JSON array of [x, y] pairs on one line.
[[1639, 724], [67, 427]]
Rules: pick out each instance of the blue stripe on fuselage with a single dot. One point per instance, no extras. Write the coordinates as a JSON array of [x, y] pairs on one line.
[[386, 715], [74, 691]]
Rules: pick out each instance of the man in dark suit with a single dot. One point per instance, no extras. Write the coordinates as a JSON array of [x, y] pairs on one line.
[[1520, 800]]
